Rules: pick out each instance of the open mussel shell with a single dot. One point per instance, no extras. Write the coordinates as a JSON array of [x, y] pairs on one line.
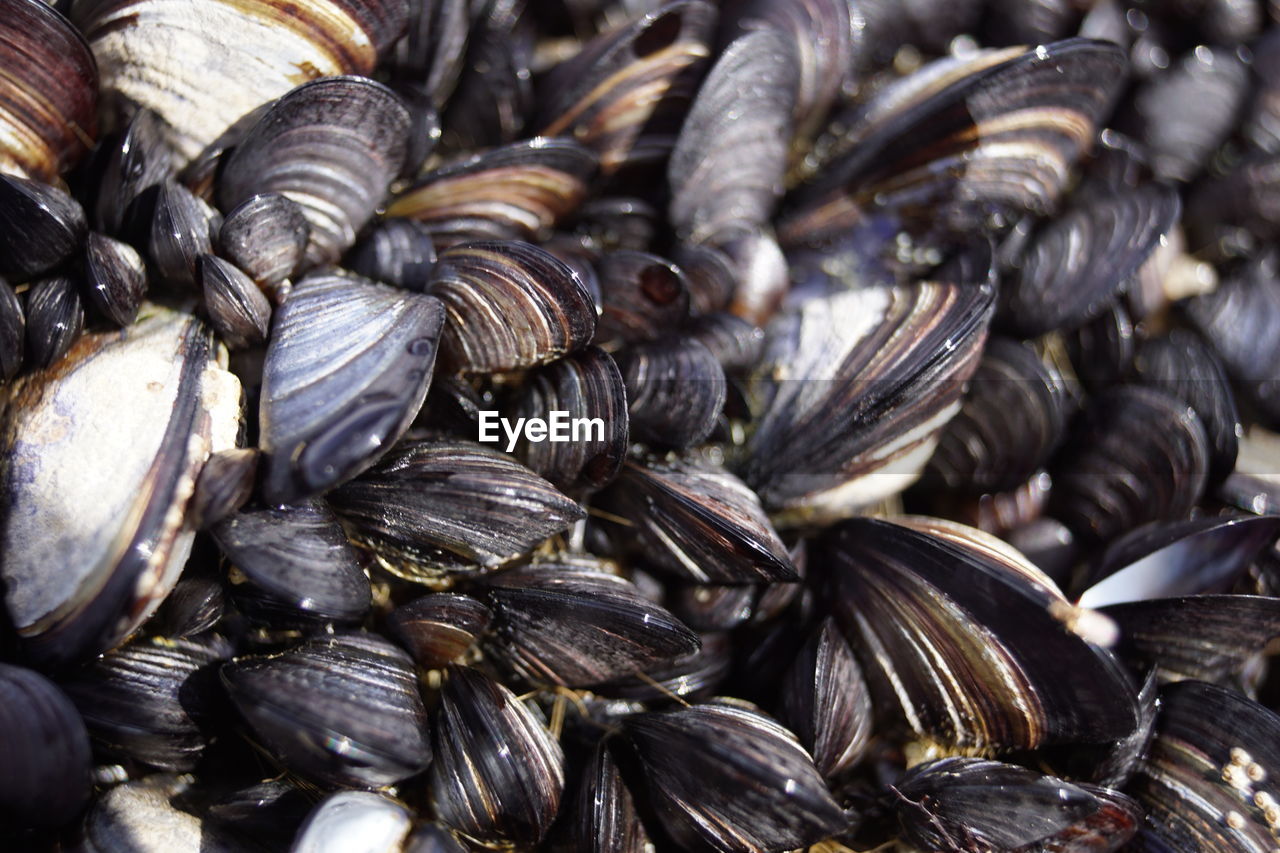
[[695, 520], [642, 297], [941, 612], [1076, 263], [333, 146], [439, 628], [498, 773], [203, 72], [1209, 778], [347, 368], [1137, 455], [13, 332], [55, 319], [1181, 364], [46, 749], [266, 236], [1241, 320], [516, 192], [294, 565], [343, 710], [350, 820], [40, 227], [570, 622], [237, 309], [825, 701], [675, 391], [857, 386], [1000, 138], [625, 93], [1013, 417], [585, 385], [431, 507], [727, 166], [988, 805], [153, 399], [398, 252], [115, 278], [49, 100], [509, 306], [1203, 555], [727, 777], [146, 701]]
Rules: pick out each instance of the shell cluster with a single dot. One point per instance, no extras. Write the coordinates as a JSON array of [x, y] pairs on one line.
[[919, 371]]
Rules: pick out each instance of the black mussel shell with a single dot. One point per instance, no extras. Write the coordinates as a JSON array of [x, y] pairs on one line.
[[697, 675], [675, 390], [1013, 417], [494, 93], [237, 309], [710, 275], [266, 236], [1076, 263], [439, 628], [603, 817], [643, 297], [979, 805], [583, 386], [139, 160], [625, 93], [517, 192], [55, 319], [570, 622], [148, 700], [1137, 455], [333, 146], [825, 701], [294, 565], [610, 223], [347, 368], [736, 343], [941, 612], [726, 777], [432, 837], [1101, 351], [1208, 781], [46, 749], [225, 484], [697, 521], [182, 229], [269, 812], [13, 332], [115, 278], [509, 306], [350, 820], [197, 603], [40, 227], [713, 607], [1182, 365], [498, 773], [399, 252], [343, 710], [857, 387], [451, 506]]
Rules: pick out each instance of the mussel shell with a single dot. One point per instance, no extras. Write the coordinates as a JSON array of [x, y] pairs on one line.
[[55, 320], [40, 226], [237, 309], [572, 623], [642, 297], [675, 391], [266, 236], [610, 223], [13, 325], [1137, 455], [825, 701], [710, 274], [202, 72], [1209, 778], [431, 507], [603, 816], [347, 368], [147, 701], [140, 817], [498, 773], [138, 160], [736, 343], [226, 483], [196, 604], [115, 278], [494, 94], [398, 251], [940, 613], [439, 628], [1101, 351], [697, 521], [343, 710], [516, 192], [509, 306], [182, 229], [332, 146], [297, 565], [350, 820], [586, 384], [727, 777], [49, 101], [155, 401], [46, 748]]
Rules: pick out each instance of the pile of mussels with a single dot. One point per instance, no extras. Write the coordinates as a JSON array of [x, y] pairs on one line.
[[921, 359]]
